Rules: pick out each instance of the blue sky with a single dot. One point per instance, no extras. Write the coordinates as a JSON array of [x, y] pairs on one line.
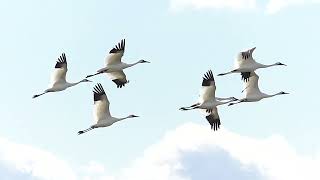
[[182, 39]]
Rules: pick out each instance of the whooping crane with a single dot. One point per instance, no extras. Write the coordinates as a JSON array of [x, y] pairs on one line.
[[245, 64], [208, 101], [101, 112], [253, 92], [58, 77], [114, 67]]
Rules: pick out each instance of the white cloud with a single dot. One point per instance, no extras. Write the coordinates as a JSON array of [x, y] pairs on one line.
[[33, 162], [94, 167], [270, 158], [189, 152], [275, 6], [177, 5]]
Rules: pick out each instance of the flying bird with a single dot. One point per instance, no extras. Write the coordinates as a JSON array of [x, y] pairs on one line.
[[58, 77], [253, 93], [245, 64], [209, 102], [102, 116], [114, 67]]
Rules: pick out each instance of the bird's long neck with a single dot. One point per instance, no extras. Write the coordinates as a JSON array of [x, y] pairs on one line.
[[132, 64], [73, 84], [266, 65], [270, 95], [120, 119]]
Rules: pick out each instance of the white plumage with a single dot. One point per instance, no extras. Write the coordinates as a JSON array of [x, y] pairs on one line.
[[114, 67], [245, 64], [58, 78], [208, 102], [252, 91], [101, 112]]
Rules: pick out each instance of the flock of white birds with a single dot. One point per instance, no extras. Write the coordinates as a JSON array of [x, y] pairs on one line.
[[208, 102]]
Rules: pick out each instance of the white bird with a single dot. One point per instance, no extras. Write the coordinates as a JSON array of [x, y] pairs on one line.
[[209, 102], [253, 92], [245, 64], [58, 77], [114, 67], [102, 116]]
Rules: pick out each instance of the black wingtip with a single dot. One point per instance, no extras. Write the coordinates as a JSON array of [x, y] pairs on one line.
[[80, 132], [207, 78], [245, 76], [119, 47], [120, 83]]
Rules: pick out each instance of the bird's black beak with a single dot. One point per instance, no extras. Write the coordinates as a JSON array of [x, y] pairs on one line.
[[146, 61], [285, 93], [282, 64], [135, 116]]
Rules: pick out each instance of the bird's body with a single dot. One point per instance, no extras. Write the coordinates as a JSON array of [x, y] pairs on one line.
[[252, 91], [58, 77], [101, 112], [245, 64], [208, 102], [114, 67]]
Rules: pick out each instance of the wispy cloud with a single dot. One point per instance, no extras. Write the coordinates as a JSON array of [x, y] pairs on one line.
[[189, 152], [177, 5]]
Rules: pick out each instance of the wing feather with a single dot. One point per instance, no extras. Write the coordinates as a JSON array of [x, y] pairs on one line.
[[214, 119], [101, 104], [208, 89], [60, 71], [116, 53], [244, 58], [252, 85], [119, 78]]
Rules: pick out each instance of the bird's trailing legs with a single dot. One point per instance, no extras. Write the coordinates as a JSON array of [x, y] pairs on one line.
[[37, 95], [240, 101], [233, 71], [86, 130], [194, 106], [229, 98], [94, 74]]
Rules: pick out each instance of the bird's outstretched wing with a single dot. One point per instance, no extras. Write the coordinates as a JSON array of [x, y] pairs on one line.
[[252, 85], [243, 59], [214, 119], [119, 78], [246, 55], [60, 70], [116, 54], [208, 88], [101, 103]]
